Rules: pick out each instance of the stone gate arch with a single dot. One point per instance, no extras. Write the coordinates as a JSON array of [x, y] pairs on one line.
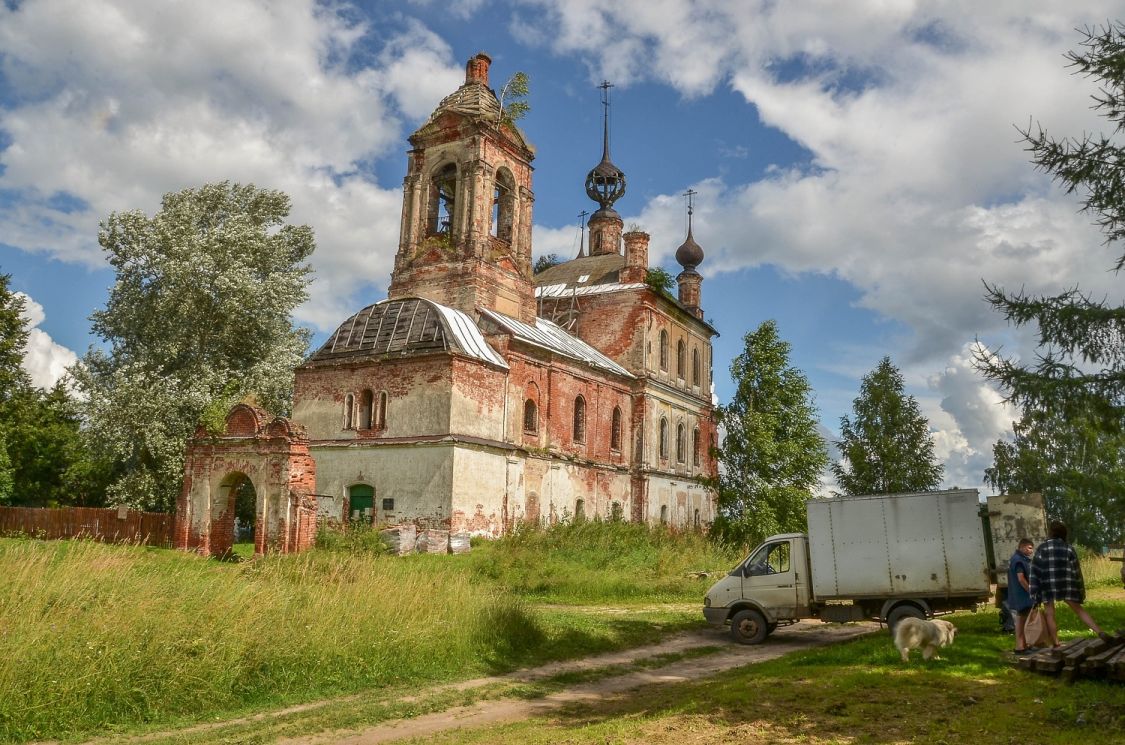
[[272, 454]]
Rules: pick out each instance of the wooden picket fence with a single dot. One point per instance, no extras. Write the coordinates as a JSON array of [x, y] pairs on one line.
[[113, 525]]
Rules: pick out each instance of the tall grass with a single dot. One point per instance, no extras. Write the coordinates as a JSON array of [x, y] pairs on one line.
[[95, 636], [1100, 570], [597, 561]]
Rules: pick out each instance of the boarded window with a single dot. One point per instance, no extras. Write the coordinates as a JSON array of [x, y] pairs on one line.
[[681, 354], [695, 446], [663, 350], [615, 429], [663, 438], [695, 367], [580, 419], [680, 444], [349, 411]]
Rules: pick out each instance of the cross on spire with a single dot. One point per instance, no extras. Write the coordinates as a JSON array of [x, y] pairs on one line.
[[605, 86], [582, 233], [690, 194]]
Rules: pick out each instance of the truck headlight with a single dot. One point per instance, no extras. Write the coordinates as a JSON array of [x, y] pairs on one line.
[[706, 601]]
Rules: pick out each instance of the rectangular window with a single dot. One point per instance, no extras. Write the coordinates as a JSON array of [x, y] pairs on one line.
[[388, 504]]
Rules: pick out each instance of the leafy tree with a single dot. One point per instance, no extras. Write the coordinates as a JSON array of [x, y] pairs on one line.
[[545, 262], [513, 93], [7, 480], [13, 341], [13, 378], [200, 311], [1077, 466], [886, 446], [51, 463], [772, 454], [41, 450], [1081, 368], [660, 280]]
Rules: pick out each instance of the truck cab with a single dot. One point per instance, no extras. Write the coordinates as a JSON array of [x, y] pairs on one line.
[[769, 587]]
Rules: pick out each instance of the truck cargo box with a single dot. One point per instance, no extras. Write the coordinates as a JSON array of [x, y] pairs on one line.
[[928, 544], [1010, 518]]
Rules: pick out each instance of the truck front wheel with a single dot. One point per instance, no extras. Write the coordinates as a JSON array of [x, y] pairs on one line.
[[900, 612], [749, 627]]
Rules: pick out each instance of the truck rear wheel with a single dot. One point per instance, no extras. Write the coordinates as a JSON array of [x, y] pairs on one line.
[[749, 627], [900, 612]]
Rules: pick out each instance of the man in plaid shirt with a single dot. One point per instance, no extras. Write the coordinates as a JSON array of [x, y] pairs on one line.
[[1056, 575]]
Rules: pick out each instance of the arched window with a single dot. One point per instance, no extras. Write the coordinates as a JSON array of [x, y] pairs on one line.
[[680, 444], [580, 419], [663, 514], [349, 411], [663, 437], [381, 411], [366, 399], [580, 510], [663, 349], [503, 205], [695, 367], [695, 520], [615, 429], [530, 416], [695, 446], [443, 200], [681, 353], [615, 512]]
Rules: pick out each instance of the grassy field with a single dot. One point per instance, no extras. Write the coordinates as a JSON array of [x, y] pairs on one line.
[[858, 692], [97, 639], [104, 638]]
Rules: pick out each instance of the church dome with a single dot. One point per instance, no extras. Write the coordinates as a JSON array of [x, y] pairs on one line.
[[405, 327], [690, 254]]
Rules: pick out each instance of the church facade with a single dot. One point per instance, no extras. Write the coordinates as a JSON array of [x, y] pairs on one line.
[[479, 395]]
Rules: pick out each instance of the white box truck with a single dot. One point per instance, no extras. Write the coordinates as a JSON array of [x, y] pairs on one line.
[[882, 557]]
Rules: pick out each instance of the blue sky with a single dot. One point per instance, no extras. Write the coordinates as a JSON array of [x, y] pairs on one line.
[[858, 167]]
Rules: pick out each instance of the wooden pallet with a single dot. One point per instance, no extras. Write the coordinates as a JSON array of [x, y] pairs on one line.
[[1082, 658]]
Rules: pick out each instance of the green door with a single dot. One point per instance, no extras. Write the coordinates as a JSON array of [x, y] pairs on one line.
[[361, 498]]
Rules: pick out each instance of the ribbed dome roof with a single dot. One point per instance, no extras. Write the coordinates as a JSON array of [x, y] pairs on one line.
[[407, 326]]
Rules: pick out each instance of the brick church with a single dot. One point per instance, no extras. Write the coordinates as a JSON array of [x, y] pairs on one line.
[[479, 394]]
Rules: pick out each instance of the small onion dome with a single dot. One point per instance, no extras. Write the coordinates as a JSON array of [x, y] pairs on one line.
[[689, 255]]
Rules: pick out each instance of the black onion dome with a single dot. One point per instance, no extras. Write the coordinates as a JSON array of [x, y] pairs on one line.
[[690, 254]]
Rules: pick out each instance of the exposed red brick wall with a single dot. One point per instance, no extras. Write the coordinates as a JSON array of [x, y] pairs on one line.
[[275, 458]]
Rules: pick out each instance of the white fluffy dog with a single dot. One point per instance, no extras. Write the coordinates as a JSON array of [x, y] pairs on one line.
[[917, 633]]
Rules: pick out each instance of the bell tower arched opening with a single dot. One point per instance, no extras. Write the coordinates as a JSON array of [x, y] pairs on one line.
[[443, 201]]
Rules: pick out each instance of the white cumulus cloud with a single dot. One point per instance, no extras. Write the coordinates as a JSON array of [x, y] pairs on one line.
[[114, 103], [44, 359]]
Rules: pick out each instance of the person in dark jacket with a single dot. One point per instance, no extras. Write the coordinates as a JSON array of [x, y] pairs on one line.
[[1055, 575], [1019, 585]]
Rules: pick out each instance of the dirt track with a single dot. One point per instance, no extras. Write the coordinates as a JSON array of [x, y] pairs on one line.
[[803, 635]]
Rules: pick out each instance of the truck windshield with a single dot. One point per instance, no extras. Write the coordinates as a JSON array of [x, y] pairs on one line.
[[772, 558]]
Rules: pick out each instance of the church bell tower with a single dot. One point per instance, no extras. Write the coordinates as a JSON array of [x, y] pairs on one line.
[[465, 238]]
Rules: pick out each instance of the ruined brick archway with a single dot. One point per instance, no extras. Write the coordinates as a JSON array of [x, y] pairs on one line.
[[272, 454]]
